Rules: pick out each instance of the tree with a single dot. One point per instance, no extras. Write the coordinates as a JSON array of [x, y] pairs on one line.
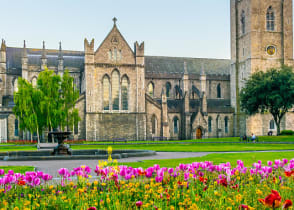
[[50, 105], [26, 108], [269, 92], [69, 95]]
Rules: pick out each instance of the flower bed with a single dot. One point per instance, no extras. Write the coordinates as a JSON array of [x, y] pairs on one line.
[[200, 185]]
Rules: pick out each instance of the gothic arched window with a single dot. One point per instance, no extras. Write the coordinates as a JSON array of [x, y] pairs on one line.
[[151, 89], [226, 125], [243, 23], [115, 90], [168, 88], [16, 127], [15, 85], [176, 125], [125, 93], [270, 19], [34, 82], [219, 93], [154, 124], [106, 92], [209, 124], [272, 124]]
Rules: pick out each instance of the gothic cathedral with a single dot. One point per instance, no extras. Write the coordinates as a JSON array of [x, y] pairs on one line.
[[125, 94]]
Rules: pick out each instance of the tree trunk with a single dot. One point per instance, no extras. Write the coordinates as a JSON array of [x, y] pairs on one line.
[[38, 136]]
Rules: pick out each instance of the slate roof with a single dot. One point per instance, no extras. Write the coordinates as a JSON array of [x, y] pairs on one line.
[[161, 64], [73, 59]]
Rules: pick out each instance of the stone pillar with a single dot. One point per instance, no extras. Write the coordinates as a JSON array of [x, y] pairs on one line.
[[60, 67], [24, 62], [164, 115], [43, 58], [2, 71]]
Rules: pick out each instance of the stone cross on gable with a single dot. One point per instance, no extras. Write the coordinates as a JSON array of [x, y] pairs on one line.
[[114, 20]]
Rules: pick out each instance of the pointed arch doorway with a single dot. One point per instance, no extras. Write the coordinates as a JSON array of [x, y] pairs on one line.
[[198, 133]]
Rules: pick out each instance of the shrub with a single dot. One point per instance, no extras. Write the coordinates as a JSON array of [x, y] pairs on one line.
[[287, 133]]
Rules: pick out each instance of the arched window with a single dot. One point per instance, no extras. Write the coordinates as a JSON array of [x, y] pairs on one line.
[[272, 124], [125, 93], [110, 55], [176, 125], [219, 94], [115, 90], [115, 54], [154, 124], [209, 124], [34, 82], [226, 125], [15, 85], [106, 93], [168, 88], [151, 89], [270, 19], [243, 23], [16, 127]]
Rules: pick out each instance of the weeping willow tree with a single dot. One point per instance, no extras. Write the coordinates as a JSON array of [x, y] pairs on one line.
[[50, 105]]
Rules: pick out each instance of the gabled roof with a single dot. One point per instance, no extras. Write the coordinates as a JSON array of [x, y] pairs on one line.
[[162, 64]]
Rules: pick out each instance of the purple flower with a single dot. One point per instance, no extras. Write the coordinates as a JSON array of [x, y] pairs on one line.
[[2, 172]]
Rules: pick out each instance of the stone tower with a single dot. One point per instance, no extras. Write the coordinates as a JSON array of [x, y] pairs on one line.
[[261, 38]]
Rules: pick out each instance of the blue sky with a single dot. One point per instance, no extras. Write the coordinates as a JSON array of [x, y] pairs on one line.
[[188, 28]]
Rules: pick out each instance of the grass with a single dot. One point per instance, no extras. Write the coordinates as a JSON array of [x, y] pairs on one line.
[[17, 148], [225, 139], [18, 169], [247, 158], [214, 147]]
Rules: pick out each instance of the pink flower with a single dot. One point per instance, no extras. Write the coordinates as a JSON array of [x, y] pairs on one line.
[[2, 172], [139, 204]]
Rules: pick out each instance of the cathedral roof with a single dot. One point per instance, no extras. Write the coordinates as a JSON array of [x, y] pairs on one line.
[[162, 64], [72, 59]]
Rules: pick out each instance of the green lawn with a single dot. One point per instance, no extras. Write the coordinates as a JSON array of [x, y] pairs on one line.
[[16, 148], [214, 147], [247, 158], [18, 169], [227, 139]]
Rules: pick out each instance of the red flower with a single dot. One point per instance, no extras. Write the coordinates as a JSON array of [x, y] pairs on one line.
[[289, 173], [21, 182], [243, 206], [92, 208], [287, 204], [139, 204], [224, 182], [273, 200]]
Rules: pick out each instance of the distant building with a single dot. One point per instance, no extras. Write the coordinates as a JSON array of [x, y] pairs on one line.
[[126, 94]]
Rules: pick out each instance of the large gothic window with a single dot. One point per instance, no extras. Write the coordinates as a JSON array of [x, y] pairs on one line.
[[176, 125], [219, 91], [270, 19], [226, 125], [115, 90], [168, 88], [106, 93], [154, 124], [151, 89], [125, 93], [209, 124], [243, 23]]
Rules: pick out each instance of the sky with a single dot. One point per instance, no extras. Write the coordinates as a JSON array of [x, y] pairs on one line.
[[180, 28]]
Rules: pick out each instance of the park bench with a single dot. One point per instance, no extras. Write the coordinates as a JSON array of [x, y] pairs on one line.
[[248, 139]]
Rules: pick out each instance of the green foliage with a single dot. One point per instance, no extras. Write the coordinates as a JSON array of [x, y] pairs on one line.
[[49, 105], [287, 132], [271, 91]]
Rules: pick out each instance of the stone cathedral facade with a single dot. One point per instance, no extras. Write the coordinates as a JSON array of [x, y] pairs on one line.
[[127, 94]]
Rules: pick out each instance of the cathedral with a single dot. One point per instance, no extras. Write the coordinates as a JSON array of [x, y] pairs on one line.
[[125, 94]]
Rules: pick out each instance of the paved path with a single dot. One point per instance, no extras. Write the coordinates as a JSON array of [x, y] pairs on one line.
[[51, 166]]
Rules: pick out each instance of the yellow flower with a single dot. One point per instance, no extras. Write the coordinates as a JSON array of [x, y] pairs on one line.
[[229, 208], [16, 208], [238, 198]]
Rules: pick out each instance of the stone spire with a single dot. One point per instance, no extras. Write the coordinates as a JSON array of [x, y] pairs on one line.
[[44, 51], [114, 21], [60, 67], [3, 45], [185, 68], [43, 58], [24, 52], [60, 54]]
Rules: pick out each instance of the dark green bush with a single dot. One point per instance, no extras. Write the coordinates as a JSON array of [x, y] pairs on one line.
[[287, 133]]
